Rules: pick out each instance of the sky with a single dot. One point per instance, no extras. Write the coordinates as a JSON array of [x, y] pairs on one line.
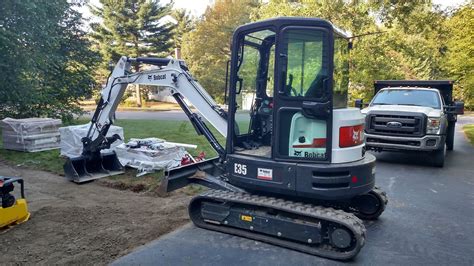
[[195, 7]]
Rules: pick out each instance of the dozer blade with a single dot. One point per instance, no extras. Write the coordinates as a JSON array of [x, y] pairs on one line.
[[82, 169]]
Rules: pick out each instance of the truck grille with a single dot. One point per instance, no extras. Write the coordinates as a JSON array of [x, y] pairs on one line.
[[396, 125]]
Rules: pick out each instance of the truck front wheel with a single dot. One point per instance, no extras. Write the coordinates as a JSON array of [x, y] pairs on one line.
[[438, 156]]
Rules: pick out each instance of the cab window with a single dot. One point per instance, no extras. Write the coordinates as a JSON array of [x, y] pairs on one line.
[[307, 64]]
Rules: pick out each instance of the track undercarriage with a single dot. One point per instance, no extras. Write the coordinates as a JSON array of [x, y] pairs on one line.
[[325, 231]]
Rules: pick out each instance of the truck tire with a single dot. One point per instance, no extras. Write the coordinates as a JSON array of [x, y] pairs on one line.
[[450, 137], [438, 156]]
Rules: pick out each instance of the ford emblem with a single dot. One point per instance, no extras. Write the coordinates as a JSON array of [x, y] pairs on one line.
[[394, 124]]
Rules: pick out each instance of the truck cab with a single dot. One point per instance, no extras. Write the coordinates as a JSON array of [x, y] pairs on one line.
[[412, 116]]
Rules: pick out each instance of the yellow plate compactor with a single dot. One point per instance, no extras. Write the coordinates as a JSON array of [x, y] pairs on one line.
[[12, 211]]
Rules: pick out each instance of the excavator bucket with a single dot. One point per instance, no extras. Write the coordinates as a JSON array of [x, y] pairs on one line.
[[82, 169]]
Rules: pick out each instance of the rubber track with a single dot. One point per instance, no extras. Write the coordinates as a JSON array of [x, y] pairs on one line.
[[349, 209], [332, 215], [382, 195]]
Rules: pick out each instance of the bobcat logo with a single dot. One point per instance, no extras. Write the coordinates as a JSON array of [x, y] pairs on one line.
[[157, 77], [297, 153], [356, 136]]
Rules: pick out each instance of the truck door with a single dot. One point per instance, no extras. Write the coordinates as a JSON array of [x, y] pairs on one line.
[[303, 95]]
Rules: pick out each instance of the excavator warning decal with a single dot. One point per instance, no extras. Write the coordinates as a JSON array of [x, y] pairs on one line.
[[265, 174], [246, 218]]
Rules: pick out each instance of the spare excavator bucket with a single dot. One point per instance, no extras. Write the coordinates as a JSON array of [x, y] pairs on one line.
[[82, 169]]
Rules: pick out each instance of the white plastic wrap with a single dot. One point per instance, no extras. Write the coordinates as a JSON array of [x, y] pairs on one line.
[[71, 144], [30, 134], [150, 154]]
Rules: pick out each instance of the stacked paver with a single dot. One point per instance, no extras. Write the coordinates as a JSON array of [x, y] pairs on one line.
[[30, 134]]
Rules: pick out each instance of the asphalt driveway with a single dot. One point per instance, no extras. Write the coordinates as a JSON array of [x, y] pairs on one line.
[[429, 220]]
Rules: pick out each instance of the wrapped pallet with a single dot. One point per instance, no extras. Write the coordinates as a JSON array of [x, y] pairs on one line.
[[71, 136], [150, 154], [30, 134]]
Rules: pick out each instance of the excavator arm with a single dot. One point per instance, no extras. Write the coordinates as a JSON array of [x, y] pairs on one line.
[[170, 73]]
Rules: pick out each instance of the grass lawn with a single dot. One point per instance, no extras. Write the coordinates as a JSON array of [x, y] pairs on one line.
[[174, 131], [469, 130]]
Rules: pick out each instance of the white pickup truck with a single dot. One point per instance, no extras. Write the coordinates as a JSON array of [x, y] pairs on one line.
[[408, 115]]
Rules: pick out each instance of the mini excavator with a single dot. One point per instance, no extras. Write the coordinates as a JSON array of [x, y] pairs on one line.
[[293, 171]]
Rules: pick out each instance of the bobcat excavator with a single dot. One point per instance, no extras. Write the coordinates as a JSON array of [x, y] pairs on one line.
[[293, 171]]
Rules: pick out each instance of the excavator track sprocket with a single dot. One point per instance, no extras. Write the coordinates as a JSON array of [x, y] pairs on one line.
[[369, 206], [317, 230]]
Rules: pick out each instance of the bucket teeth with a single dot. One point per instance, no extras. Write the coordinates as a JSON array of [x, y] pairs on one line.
[[82, 169]]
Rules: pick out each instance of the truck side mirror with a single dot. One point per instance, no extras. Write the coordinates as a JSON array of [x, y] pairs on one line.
[[459, 107], [359, 103]]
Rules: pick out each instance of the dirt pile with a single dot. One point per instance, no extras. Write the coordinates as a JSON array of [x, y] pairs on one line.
[[85, 224]]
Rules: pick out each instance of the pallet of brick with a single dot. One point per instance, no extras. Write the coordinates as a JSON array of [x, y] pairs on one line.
[[30, 134]]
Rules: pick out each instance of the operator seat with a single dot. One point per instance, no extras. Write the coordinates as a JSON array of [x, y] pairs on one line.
[[316, 89]]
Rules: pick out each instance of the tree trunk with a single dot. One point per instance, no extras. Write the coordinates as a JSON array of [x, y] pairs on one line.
[[138, 95]]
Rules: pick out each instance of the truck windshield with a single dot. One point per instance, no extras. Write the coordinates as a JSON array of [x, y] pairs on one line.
[[407, 97]]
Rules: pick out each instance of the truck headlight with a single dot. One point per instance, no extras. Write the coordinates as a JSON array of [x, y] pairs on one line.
[[433, 125]]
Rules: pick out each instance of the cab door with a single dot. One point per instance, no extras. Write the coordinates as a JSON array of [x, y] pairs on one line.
[[303, 96]]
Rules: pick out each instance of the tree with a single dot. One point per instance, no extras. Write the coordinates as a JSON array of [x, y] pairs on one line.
[[459, 58], [207, 48], [133, 28], [185, 24], [45, 64], [409, 45]]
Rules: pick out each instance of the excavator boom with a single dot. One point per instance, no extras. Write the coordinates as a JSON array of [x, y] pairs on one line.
[[170, 73]]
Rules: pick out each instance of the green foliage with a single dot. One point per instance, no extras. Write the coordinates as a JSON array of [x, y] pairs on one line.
[[459, 63], [411, 44], [185, 24], [131, 28], [45, 60], [469, 130], [207, 48]]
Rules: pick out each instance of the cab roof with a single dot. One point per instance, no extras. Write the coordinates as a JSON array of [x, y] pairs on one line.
[[293, 21]]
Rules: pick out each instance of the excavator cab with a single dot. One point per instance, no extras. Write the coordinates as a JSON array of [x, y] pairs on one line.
[[287, 65], [288, 97]]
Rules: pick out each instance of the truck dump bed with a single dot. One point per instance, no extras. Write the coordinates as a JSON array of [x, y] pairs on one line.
[[445, 87]]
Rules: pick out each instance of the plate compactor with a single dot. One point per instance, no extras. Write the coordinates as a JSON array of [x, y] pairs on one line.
[[12, 211], [293, 171]]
